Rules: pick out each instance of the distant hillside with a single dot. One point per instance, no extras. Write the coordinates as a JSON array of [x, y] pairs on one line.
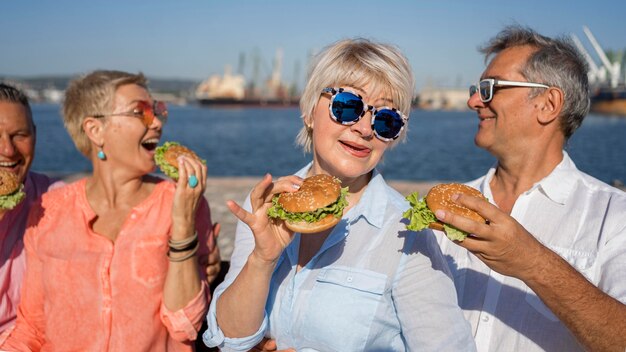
[[171, 85], [163, 85]]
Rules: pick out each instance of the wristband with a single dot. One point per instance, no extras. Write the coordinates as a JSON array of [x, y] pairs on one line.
[[185, 257], [184, 243]]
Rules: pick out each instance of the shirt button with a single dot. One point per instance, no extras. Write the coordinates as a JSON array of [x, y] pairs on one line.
[[485, 318], [349, 279]]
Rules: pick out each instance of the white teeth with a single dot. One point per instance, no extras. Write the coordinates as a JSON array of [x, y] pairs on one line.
[[8, 163], [151, 141]]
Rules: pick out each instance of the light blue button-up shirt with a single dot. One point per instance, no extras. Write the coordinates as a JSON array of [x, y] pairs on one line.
[[373, 286]]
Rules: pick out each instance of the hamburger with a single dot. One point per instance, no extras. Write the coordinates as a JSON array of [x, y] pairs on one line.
[[165, 157], [422, 212], [11, 190], [318, 205]]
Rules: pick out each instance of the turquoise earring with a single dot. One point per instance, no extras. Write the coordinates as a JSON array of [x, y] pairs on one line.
[[101, 154]]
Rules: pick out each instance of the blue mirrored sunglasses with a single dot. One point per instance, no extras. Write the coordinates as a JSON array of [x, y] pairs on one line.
[[347, 108]]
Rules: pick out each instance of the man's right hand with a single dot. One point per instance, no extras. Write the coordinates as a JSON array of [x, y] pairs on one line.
[[503, 244]]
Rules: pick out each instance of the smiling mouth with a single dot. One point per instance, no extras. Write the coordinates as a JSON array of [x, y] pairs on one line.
[[480, 118], [356, 149], [150, 144]]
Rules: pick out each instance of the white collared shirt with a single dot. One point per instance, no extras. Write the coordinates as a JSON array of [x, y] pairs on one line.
[[575, 215], [373, 286]]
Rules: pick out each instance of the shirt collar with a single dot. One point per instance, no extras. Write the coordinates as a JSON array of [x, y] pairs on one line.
[[484, 188], [373, 200], [557, 185]]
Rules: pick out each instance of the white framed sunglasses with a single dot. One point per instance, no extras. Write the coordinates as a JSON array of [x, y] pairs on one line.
[[484, 88], [347, 108]]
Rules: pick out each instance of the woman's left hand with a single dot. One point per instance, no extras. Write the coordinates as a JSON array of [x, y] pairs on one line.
[[186, 197], [270, 237]]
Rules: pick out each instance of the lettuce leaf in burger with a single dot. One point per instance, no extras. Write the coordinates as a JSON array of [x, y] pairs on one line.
[[316, 206], [421, 215]]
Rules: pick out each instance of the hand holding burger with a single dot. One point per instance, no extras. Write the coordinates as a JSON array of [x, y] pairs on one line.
[[318, 205], [422, 212]]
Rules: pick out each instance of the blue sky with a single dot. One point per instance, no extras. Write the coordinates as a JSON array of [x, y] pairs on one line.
[[193, 39]]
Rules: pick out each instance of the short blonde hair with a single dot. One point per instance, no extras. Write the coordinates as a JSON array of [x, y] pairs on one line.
[[357, 62], [92, 94]]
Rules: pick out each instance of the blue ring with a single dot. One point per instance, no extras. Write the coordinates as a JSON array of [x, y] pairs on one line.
[[192, 181]]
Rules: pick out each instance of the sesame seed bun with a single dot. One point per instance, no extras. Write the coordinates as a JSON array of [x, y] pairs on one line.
[[316, 206], [440, 197], [172, 153], [316, 192], [9, 182], [166, 157], [313, 227], [11, 190]]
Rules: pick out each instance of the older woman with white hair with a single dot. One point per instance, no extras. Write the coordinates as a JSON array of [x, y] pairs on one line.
[[366, 283]]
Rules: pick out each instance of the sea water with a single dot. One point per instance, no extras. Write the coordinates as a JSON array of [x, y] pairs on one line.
[[255, 141]]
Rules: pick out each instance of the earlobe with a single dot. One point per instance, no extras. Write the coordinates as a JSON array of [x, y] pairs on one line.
[[308, 121]]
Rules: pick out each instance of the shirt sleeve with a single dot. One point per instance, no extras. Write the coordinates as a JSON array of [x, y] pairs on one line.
[[214, 337], [425, 300], [184, 324], [612, 256], [28, 334]]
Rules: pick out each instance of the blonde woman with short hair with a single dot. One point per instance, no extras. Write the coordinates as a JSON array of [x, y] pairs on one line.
[[367, 283]]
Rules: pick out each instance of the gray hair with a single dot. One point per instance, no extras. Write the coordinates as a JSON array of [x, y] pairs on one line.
[[11, 94], [357, 62], [556, 63]]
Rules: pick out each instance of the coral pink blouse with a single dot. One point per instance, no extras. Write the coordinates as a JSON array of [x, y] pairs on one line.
[[84, 292]]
